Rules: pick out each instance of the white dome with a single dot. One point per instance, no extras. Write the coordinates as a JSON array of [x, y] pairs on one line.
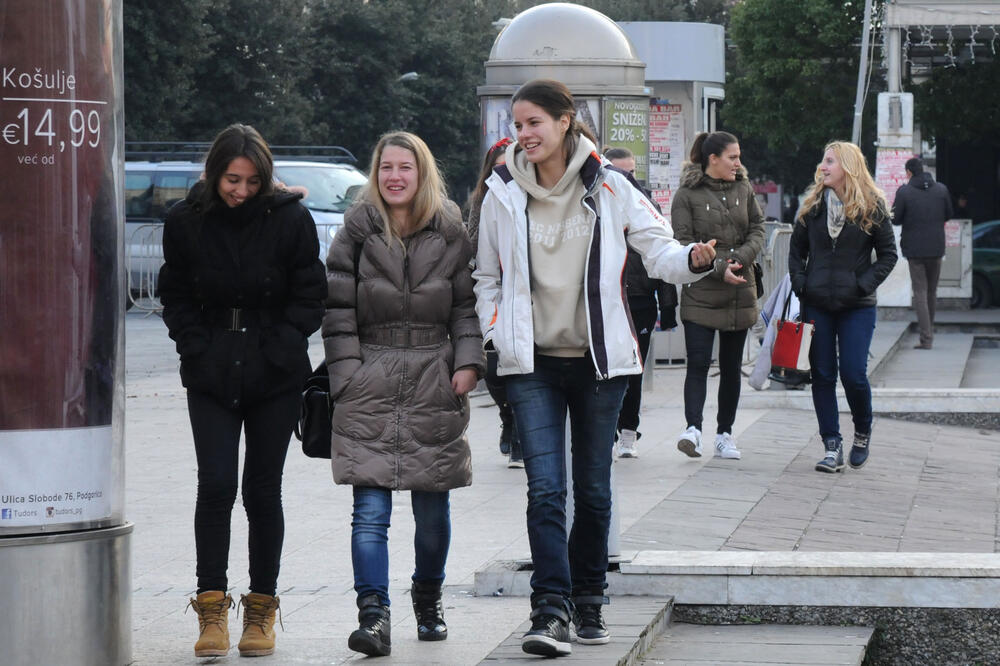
[[562, 31]]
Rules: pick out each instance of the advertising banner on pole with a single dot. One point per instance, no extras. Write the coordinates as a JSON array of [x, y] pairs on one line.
[[61, 303], [626, 125], [666, 151], [890, 170]]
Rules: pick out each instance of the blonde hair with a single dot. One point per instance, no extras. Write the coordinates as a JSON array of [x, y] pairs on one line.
[[431, 194], [864, 203]]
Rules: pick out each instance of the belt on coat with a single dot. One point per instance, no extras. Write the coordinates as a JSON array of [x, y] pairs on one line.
[[237, 319], [403, 336]]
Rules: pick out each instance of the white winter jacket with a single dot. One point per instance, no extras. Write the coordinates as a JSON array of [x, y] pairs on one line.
[[617, 209]]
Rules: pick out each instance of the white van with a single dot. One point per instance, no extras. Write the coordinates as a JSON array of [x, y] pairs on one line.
[[152, 187]]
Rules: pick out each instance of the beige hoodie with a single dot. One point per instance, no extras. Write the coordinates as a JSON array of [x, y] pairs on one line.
[[559, 237]]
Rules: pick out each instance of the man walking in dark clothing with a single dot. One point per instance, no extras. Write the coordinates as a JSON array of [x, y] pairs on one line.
[[921, 208]]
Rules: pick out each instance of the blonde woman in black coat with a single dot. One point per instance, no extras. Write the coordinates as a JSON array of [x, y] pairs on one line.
[[843, 219]]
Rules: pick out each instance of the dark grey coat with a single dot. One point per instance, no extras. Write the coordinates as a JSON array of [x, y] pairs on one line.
[[393, 337], [921, 208]]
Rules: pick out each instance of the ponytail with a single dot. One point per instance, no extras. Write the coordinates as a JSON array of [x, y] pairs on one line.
[[706, 144], [576, 129]]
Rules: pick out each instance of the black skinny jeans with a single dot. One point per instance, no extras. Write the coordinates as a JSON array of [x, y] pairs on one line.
[[268, 427], [698, 342], [644, 321]]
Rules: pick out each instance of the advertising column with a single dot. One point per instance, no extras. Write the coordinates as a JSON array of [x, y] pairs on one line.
[[60, 257], [64, 544]]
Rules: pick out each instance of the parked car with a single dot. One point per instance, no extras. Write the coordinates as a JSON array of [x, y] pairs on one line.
[[986, 264], [152, 187]]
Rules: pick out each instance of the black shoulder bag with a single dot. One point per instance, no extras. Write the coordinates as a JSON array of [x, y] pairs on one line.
[[314, 427]]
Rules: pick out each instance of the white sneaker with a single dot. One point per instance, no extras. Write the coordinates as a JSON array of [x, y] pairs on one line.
[[627, 447], [725, 447], [689, 443]]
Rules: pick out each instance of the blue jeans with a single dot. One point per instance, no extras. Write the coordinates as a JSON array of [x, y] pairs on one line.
[[845, 335], [370, 538], [540, 400]]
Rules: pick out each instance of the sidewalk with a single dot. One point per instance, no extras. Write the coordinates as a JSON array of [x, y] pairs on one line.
[[926, 488]]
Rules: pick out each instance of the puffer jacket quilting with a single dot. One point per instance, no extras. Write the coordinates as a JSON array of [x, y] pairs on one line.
[[705, 208], [397, 423]]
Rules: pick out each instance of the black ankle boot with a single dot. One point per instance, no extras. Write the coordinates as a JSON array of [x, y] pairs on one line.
[[428, 611], [372, 637]]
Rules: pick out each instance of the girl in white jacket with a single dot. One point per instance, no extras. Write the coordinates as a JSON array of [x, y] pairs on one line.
[[551, 302]]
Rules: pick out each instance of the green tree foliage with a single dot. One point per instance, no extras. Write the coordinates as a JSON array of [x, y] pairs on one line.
[[329, 71], [941, 115], [792, 84], [163, 49], [253, 71], [363, 50]]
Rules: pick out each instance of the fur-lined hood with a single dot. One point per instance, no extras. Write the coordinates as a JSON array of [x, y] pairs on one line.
[[692, 176]]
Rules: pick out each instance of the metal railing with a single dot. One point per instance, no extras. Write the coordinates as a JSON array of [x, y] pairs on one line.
[[774, 258], [144, 257]]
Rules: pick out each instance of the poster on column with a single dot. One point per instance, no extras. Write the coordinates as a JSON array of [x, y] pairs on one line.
[[626, 125], [890, 174], [890, 170], [60, 265], [666, 151]]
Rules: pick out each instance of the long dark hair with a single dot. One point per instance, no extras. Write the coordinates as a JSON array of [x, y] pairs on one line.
[[475, 201], [706, 144], [237, 140], [489, 160], [555, 99]]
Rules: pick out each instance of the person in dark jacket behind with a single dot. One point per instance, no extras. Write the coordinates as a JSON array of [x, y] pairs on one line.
[[510, 445], [645, 297], [843, 217], [921, 208], [242, 289], [403, 349], [716, 200]]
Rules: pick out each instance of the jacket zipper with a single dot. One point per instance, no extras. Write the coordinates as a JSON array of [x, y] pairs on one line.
[[406, 327]]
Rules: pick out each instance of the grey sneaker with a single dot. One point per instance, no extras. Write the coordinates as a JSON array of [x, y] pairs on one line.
[[833, 461], [859, 452]]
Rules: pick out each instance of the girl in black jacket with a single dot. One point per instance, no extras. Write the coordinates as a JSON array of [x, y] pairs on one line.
[[242, 289], [843, 218]]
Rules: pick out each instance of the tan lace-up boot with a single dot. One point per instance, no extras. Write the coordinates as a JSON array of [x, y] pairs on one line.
[[258, 624], [213, 620]]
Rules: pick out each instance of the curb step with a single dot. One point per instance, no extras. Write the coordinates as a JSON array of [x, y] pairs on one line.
[[753, 644], [634, 623]]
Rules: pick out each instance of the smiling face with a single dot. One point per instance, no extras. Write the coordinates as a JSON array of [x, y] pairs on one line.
[[727, 165], [239, 182], [834, 176], [538, 133], [398, 177]]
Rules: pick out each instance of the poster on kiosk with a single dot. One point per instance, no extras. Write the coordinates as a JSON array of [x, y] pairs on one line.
[[61, 308]]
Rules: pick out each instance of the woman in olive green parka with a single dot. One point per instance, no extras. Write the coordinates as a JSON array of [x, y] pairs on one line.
[[715, 200]]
